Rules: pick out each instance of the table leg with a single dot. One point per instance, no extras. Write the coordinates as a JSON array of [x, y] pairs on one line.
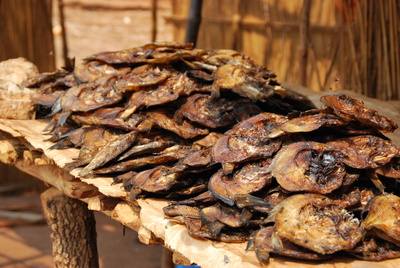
[[167, 259], [73, 230]]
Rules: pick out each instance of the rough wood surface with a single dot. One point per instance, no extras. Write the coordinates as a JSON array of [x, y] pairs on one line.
[[11, 149], [73, 230]]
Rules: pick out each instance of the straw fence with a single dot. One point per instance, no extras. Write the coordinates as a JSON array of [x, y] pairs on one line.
[[322, 44], [26, 30]]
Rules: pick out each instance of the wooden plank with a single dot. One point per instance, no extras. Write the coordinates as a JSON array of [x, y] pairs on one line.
[[33, 134]]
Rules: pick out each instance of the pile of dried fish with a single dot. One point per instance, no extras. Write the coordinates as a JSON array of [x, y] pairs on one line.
[[240, 157]]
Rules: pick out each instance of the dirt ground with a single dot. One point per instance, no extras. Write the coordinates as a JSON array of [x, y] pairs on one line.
[[93, 26], [30, 246]]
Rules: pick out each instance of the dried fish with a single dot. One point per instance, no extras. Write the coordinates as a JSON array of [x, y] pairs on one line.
[[308, 166], [206, 197], [215, 113], [306, 123], [246, 141], [383, 220], [366, 151], [47, 99], [89, 71], [350, 109], [207, 141], [314, 222], [148, 148], [150, 53], [174, 87], [174, 210], [156, 179], [391, 169], [239, 156], [87, 97], [249, 179], [90, 140], [186, 130], [137, 163], [229, 216], [372, 249], [110, 117], [109, 151], [143, 76], [242, 80], [196, 160], [267, 241], [46, 77]]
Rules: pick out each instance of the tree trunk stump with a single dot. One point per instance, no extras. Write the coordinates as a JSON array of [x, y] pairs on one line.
[[73, 230]]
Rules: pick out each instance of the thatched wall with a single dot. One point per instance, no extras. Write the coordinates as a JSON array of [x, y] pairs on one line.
[[322, 44], [26, 31]]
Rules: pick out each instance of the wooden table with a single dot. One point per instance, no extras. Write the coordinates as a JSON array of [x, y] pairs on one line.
[[23, 145]]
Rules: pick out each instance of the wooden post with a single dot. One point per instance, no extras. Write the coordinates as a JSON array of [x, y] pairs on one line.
[[304, 42], [63, 33], [73, 230], [153, 20], [167, 259], [237, 18], [194, 20]]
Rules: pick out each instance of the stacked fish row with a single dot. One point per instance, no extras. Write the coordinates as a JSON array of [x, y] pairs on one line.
[[240, 157]]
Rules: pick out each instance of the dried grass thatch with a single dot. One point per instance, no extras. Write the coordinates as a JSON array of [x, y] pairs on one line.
[[324, 45], [26, 31]]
